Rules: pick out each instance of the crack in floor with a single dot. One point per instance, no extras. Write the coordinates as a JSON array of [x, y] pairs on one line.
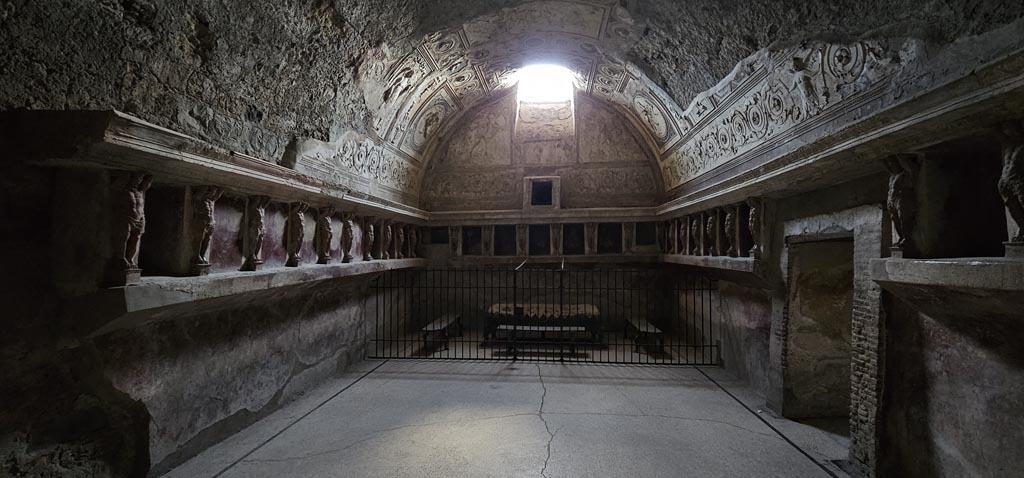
[[540, 414]]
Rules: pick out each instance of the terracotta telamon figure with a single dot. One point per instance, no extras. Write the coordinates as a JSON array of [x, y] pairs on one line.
[[386, 236], [129, 202], [296, 232], [710, 236], [204, 200], [754, 223], [1011, 183], [684, 236], [730, 231], [414, 241], [346, 238], [369, 238], [695, 228], [255, 229], [902, 199], [324, 234], [399, 240]]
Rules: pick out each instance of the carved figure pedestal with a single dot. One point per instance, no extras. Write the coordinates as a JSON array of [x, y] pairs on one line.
[[199, 269], [117, 276], [251, 265], [1014, 250], [896, 252]]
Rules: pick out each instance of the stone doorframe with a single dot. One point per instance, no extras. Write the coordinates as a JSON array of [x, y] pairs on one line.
[[869, 227]]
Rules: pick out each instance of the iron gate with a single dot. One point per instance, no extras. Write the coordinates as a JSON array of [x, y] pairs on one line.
[[577, 315]]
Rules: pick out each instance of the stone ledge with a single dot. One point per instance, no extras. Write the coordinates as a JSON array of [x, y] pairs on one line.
[[742, 270], [533, 260], [988, 273], [157, 298], [541, 216], [964, 293], [735, 264], [115, 140]]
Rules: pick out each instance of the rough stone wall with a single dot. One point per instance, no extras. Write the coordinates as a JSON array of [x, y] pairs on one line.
[[482, 165], [245, 75], [689, 46]]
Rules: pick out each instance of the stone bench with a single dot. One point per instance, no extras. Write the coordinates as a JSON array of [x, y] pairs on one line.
[[543, 330], [442, 326], [645, 330]]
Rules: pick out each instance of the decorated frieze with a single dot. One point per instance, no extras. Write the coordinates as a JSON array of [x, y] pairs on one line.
[[785, 90], [335, 162]]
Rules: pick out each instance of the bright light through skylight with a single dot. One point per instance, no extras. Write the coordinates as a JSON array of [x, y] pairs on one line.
[[544, 84]]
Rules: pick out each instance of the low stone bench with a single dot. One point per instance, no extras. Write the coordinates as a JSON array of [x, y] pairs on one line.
[[443, 327], [542, 330], [644, 332]]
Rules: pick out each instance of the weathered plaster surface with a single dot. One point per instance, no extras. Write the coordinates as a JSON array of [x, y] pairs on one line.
[[954, 398], [481, 165], [746, 315], [202, 376]]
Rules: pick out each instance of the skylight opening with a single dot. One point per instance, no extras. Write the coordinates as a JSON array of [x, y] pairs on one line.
[[545, 84]]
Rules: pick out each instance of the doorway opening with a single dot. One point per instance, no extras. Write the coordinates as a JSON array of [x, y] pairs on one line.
[[819, 327]]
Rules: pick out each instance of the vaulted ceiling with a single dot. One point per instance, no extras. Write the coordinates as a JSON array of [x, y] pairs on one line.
[[415, 95]]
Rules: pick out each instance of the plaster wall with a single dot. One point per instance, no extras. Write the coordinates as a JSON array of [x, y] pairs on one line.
[[143, 398], [817, 382], [481, 165], [207, 374], [746, 314], [953, 399]]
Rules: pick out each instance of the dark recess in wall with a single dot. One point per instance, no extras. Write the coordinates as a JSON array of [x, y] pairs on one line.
[[504, 240], [572, 240], [540, 240], [471, 241], [609, 238]]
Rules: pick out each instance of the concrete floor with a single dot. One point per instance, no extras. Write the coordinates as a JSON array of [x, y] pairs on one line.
[[501, 419]]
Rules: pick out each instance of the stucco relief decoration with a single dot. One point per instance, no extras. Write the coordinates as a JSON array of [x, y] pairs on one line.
[[783, 91], [609, 181], [366, 159], [472, 185], [416, 94], [651, 114], [391, 86]]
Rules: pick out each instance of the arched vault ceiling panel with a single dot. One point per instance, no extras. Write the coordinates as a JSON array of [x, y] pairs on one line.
[[416, 96]]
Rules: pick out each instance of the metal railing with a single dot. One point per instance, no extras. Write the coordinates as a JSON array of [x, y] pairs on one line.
[[595, 315]]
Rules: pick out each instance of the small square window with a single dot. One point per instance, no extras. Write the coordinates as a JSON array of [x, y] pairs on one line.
[[541, 193]]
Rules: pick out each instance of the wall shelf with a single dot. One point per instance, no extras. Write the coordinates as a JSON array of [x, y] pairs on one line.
[[976, 288], [744, 270], [160, 298]]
